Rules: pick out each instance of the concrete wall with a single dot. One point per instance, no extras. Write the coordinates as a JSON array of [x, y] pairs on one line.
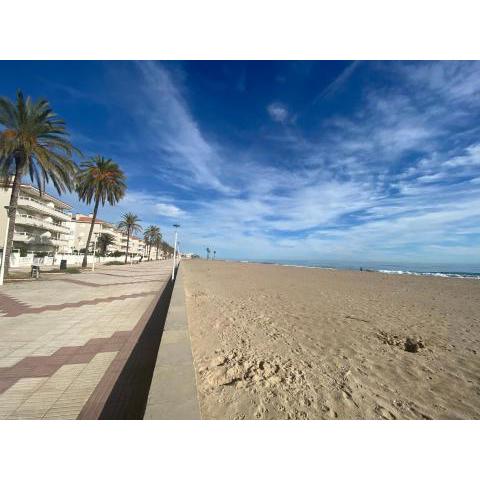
[[72, 260], [173, 391]]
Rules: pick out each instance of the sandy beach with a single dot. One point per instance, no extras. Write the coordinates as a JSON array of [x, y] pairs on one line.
[[273, 342]]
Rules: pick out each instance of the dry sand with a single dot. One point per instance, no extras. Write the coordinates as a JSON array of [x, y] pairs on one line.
[[272, 342]]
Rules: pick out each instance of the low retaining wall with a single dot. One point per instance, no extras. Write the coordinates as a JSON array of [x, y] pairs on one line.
[[173, 390], [122, 392], [72, 260]]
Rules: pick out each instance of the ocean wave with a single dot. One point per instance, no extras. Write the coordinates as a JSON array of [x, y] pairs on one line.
[[472, 276], [445, 274]]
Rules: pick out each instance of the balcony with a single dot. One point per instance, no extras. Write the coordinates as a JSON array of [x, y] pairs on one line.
[[57, 242], [22, 237], [27, 237], [29, 202], [23, 219]]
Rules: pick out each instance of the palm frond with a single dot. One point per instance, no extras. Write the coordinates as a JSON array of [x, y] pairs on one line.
[[36, 142]]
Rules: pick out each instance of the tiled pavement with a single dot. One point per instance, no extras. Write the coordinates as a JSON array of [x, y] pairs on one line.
[[64, 341]]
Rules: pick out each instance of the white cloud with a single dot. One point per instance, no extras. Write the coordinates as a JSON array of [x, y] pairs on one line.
[[278, 112], [168, 210], [174, 132], [471, 158], [328, 196]]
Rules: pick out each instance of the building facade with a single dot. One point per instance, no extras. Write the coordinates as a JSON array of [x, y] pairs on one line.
[[41, 222], [79, 227], [44, 225]]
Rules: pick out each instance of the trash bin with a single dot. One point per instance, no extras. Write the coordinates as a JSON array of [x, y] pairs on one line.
[[63, 264], [35, 272]]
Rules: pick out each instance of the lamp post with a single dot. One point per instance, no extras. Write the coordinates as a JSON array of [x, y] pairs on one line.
[[4, 252], [174, 250]]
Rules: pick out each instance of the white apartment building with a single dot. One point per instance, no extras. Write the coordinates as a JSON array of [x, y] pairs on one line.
[[80, 226], [41, 222], [136, 245]]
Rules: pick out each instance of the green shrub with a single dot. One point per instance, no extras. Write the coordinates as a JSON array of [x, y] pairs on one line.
[[72, 270], [114, 263], [67, 270]]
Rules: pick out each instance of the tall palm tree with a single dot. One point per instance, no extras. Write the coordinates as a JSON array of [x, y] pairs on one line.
[[168, 249], [157, 241], [33, 140], [153, 237], [99, 180], [129, 225], [208, 253], [104, 240], [148, 236]]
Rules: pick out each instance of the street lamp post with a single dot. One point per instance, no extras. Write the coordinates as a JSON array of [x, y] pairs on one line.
[[4, 252], [174, 250]]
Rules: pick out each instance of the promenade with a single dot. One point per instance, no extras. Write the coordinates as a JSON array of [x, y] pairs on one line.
[[69, 343]]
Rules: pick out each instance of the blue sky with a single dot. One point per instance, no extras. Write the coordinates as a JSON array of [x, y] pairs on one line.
[[283, 160]]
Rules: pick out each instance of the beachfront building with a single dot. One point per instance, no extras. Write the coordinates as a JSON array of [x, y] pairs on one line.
[[111, 229], [136, 245], [80, 227], [41, 222]]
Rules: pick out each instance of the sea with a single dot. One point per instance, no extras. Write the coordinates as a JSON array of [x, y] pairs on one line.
[[471, 271]]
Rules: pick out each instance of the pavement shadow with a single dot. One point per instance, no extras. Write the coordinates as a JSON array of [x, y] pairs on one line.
[[128, 398]]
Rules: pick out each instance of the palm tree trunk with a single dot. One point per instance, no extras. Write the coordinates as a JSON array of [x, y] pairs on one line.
[[149, 251], [156, 253], [95, 210], [12, 211], [128, 241]]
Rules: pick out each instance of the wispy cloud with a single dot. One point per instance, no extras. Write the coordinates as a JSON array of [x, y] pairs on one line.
[[395, 176], [336, 85], [381, 183], [174, 132], [278, 112]]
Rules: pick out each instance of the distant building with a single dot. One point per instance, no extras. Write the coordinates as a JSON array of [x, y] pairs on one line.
[[41, 222], [45, 224], [80, 226]]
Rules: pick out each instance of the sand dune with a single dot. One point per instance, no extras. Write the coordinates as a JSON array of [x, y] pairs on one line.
[[272, 342]]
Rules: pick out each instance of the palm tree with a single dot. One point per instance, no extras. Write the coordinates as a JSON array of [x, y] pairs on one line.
[[168, 249], [129, 225], [214, 253], [104, 240], [99, 180], [34, 140], [157, 241], [148, 236], [153, 238], [208, 253]]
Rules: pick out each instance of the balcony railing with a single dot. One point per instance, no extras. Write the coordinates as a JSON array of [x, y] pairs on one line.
[[35, 204], [24, 219], [38, 239]]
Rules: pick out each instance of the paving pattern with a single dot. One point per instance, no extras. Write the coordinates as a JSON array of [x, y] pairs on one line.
[[63, 341]]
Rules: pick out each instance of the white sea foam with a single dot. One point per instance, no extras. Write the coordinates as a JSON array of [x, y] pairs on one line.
[[474, 276], [429, 274]]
